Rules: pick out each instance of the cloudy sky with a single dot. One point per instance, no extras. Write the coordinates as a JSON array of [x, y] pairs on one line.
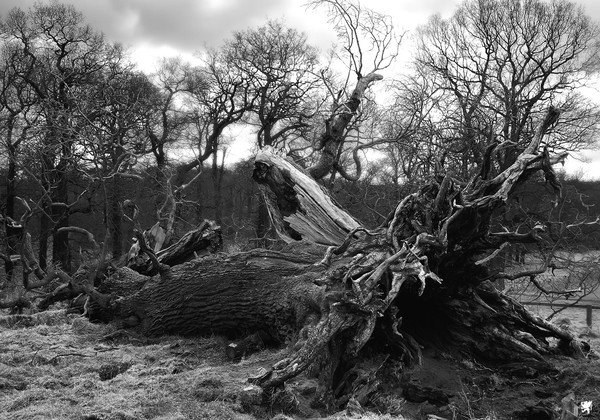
[[156, 28]]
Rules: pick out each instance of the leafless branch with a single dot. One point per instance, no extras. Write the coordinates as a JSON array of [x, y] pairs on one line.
[[81, 231], [161, 268]]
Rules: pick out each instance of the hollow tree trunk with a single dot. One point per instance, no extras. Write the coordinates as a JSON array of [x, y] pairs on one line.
[[299, 207]]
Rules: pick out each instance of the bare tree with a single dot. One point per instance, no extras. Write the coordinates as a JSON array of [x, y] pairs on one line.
[[113, 141], [408, 132], [500, 64], [198, 104], [16, 103], [368, 39], [60, 58], [224, 101], [495, 67], [16, 122], [175, 81], [280, 69]]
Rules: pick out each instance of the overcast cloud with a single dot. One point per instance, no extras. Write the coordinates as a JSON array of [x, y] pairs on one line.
[[179, 24], [160, 26], [187, 25]]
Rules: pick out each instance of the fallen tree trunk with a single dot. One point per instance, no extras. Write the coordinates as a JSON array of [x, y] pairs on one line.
[[233, 295], [418, 280]]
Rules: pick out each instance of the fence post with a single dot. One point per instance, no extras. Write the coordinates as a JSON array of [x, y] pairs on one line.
[[588, 315]]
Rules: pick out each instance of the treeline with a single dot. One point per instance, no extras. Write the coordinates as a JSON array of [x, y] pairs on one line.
[[233, 201], [89, 141]]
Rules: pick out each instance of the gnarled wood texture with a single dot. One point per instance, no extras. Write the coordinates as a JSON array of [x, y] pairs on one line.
[[299, 207]]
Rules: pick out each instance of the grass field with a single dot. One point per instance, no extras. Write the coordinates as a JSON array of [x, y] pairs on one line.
[[58, 366], [55, 366]]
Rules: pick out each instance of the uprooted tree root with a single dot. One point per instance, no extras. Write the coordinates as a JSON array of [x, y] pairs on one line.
[[419, 278]]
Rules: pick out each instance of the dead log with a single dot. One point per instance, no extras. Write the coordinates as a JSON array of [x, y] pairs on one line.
[[418, 280], [204, 239]]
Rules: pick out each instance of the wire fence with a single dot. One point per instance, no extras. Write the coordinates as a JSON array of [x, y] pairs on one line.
[[589, 309]]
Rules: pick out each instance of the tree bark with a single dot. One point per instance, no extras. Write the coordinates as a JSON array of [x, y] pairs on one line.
[[194, 298], [44, 236], [217, 179], [11, 289]]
